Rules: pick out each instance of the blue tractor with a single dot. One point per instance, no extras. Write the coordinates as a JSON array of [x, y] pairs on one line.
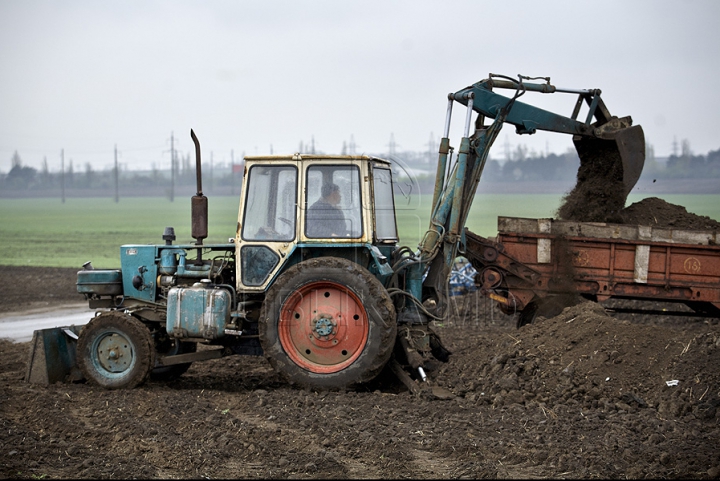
[[314, 279]]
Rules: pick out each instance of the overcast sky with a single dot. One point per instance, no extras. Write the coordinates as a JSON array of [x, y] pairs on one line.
[[254, 76]]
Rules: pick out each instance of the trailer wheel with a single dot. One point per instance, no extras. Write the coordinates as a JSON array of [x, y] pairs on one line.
[[166, 346], [327, 323], [115, 351]]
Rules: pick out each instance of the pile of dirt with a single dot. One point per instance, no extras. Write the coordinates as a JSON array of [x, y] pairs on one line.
[[656, 212], [599, 196], [596, 201], [581, 395]]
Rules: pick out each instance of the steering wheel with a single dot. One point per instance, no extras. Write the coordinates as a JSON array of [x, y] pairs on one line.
[[268, 233]]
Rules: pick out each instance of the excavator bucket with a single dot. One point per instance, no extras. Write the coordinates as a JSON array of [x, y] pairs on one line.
[[609, 169], [53, 355], [630, 144]]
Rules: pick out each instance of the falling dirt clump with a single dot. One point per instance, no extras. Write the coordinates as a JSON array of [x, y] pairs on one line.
[[599, 194], [656, 212]]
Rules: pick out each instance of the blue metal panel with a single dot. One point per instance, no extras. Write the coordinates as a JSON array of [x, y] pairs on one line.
[[100, 281], [198, 311], [138, 264]]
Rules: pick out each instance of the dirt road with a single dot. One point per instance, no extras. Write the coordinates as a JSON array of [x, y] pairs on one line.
[[582, 395]]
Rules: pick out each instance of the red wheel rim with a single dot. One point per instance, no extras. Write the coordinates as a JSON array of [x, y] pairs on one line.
[[323, 327]]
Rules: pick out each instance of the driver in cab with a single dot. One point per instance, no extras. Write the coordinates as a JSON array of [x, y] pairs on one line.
[[324, 218]]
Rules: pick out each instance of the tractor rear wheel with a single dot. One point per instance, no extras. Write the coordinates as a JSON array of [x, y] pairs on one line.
[[327, 323], [115, 351]]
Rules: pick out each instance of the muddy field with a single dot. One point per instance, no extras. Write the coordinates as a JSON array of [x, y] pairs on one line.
[[581, 395]]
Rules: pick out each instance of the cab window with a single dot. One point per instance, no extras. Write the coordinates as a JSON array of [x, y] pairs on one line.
[[270, 203], [333, 202]]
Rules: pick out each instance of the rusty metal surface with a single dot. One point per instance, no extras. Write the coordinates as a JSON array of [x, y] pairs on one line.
[[604, 267]]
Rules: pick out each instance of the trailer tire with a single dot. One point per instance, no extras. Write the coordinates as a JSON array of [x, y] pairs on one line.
[[115, 351], [327, 323]]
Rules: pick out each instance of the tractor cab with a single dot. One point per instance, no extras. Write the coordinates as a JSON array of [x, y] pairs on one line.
[[301, 206]]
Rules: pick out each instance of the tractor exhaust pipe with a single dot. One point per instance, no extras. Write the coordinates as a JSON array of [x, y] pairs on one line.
[[199, 212]]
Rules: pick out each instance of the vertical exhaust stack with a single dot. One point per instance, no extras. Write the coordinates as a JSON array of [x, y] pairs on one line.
[[199, 213]]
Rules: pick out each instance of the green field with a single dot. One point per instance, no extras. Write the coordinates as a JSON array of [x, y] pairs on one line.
[[46, 232]]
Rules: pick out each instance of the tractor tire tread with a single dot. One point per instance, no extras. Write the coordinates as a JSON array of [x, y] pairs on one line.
[[327, 268], [129, 326]]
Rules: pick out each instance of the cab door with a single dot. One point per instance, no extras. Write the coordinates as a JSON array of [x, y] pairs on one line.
[[383, 204], [267, 224]]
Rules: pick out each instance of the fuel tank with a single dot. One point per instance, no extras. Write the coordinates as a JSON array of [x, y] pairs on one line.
[[200, 311]]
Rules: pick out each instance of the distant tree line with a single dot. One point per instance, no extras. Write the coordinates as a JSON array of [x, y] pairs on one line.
[[22, 177], [521, 166], [545, 168], [686, 166]]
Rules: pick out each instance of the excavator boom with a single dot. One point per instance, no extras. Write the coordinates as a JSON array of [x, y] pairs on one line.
[[608, 139], [611, 151]]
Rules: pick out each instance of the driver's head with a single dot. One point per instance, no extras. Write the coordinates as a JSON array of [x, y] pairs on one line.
[[331, 193]]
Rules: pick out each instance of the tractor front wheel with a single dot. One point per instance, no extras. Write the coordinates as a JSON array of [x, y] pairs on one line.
[[115, 351], [327, 323]]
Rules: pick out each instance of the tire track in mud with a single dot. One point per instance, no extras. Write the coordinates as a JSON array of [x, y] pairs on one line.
[[307, 447], [298, 429]]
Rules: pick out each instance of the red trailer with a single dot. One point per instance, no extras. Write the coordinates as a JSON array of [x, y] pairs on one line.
[[533, 260]]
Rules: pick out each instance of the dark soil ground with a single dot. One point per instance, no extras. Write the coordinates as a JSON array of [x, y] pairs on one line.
[[581, 395], [37, 287]]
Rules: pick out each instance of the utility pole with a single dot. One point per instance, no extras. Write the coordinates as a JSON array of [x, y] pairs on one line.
[[352, 146], [431, 149], [62, 174], [211, 170], [392, 145], [232, 172], [116, 174], [172, 167]]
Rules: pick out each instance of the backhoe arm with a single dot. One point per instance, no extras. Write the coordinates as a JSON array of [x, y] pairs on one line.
[[528, 119], [609, 147]]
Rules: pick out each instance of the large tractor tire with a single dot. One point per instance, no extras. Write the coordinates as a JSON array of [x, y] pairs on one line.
[[115, 351], [327, 323]]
